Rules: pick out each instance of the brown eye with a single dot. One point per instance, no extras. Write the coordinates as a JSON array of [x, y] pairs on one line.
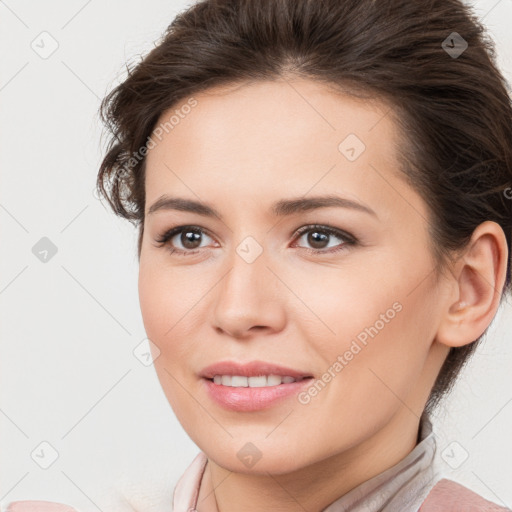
[[183, 239], [190, 239], [319, 239]]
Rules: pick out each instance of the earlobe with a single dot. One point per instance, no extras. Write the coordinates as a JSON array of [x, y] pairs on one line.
[[478, 280]]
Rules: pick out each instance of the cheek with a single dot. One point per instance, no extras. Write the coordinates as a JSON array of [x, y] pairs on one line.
[[162, 296], [171, 310], [151, 299], [343, 302], [380, 323], [161, 308]]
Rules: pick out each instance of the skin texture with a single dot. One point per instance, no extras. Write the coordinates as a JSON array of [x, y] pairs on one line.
[[240, 149]]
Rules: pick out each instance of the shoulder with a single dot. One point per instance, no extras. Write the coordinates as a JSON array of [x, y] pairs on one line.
[[450, 496], [38, 506]]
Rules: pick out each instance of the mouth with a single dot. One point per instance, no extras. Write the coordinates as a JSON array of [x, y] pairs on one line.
[[250, 398], [259, 381], [252, 386], [243, 374]]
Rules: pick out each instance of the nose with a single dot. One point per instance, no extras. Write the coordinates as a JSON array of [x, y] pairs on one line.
[[249, 299]]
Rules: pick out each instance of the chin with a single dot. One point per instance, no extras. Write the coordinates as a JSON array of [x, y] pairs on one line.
[[246, 458]]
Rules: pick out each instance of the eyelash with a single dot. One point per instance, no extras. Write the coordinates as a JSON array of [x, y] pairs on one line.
[[349, 240]]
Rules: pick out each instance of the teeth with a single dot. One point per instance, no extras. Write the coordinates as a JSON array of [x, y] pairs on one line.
[[252, 382]]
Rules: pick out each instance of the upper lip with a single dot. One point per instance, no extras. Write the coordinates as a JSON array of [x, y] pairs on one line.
[[250, 369]]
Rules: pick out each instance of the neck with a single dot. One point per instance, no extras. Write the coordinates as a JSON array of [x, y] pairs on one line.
[[313, 487]]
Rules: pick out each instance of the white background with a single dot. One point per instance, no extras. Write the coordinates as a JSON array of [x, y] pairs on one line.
[[69, 326]]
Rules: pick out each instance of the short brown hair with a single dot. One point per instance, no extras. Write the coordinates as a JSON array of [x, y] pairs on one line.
[[453, 108]]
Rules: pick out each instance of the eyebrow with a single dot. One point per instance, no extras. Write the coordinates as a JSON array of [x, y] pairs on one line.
[[281, 208]]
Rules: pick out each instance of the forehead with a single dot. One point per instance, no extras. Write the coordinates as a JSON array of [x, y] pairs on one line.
[[283, 137]]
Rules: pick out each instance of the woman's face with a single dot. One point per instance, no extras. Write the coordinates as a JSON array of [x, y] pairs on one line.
[[358, 304]]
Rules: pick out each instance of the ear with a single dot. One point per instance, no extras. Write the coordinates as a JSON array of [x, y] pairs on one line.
[[478, 277]]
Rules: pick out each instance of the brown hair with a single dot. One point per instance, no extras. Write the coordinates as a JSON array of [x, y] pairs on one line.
[[454, 110]]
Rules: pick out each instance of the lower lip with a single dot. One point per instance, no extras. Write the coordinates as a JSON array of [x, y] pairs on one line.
[[247, 399]]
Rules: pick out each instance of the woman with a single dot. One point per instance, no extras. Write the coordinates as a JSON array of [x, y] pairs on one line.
[[322, 191]]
